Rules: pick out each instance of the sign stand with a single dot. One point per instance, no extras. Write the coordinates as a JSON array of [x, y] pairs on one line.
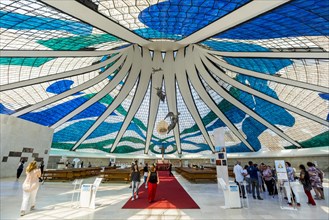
[[230, 189], [77, 185], [88, 194], [96, 184], [283, 181]]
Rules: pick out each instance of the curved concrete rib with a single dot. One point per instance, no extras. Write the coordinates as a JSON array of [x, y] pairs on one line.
[[106, 90], [244, 13], [223, 93], [252, 91], [170, 85], [268, 77], [142, 87], [96, 19], [74, 90], [156, 82], [282, 55], [199, 87], [124, 92], [57, 53], [187, 97], [62, 75]]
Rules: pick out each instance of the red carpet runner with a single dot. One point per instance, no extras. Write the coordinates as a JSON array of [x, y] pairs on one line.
[[169, 195]]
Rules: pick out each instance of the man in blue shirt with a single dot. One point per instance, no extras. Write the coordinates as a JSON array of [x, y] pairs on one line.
[[252, 171]]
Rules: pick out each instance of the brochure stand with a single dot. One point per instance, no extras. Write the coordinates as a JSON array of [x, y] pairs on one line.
[[88, 194], [231, 194], [77, 185], [230, 189], [96, 184], [282, 183], [234, 196]]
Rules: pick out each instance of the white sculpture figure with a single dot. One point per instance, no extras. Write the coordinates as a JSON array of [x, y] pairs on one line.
[[173, 120]]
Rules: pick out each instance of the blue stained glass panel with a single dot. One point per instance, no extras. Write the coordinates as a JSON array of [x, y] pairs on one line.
[[189, 16], [296, 18], [16, 21]]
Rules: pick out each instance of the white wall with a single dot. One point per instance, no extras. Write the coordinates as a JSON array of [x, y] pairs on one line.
[[16, 136]]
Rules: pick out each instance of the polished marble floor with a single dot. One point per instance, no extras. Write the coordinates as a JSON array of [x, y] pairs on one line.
[[54, 202]]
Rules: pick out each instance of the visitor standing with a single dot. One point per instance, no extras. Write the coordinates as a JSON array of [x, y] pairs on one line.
[[30, 187], [268, 178], [291, 185], [315, 180], [247, 178], [170, 169], [304, 179], [152, 181], [146, 171], [252, 171], [321, 175], [42, 166], [135, 180], [67, 163], [20, 169], [239, 177], [131, 170]]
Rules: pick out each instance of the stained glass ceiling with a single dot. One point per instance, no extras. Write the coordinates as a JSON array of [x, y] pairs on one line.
[[90, 69]]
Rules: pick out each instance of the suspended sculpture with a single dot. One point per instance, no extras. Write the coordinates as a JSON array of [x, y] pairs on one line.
[[162, 127], [173, 120], [156, 70], [161, 94]]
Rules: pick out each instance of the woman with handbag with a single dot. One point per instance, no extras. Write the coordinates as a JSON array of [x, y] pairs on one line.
[[152, 181], [304, 179], [30, 187]]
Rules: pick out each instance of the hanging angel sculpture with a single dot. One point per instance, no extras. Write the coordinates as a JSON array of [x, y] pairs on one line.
[[161, 94], [173, 120], [154, 70]]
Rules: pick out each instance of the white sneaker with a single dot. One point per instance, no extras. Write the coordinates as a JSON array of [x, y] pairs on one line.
[[132, 199]]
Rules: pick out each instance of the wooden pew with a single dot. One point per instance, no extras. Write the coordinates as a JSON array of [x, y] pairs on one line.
[[70, 174], [118, 174], [193, 174], [115, 175]]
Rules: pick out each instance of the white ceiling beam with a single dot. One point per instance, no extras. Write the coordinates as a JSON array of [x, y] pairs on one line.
[[56, 53], [244, 13], [124, 92], [279, 55], [106, 90], [74, 90], [156, 82], [199, 87], [96, 19], [138, 97], [259, 75], [171, 96], [261, 95], [186, 93], [226, 95], [57, 76]]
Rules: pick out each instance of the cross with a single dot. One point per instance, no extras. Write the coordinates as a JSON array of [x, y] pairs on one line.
[[162, 152]]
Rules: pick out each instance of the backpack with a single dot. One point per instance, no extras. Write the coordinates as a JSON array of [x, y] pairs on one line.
[[21, 166]]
